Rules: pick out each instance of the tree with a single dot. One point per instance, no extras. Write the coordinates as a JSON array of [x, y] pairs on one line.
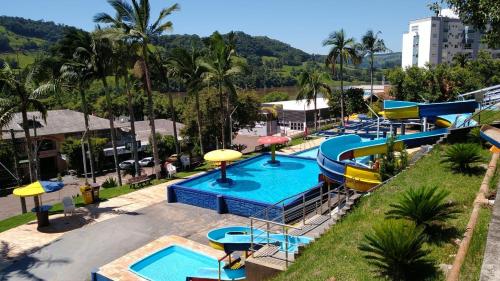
[[190, 69], [483, 15], [371, 45], [23, 92], [77, 72], [311, 83], [275, 96], [343, 50], [435, 8], [425, 206], [222, 66], [395, 248], [354, 101], [135, 22], [166, 145], [460, 59]]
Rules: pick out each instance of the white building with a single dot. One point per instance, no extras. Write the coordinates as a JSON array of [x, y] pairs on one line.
[[438, 39]]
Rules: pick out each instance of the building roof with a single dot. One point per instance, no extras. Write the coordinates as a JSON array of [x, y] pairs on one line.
[[143, 131], [62, 121], [301, 104]]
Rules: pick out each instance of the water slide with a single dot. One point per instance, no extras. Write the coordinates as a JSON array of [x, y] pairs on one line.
[[210, 273], [238, 238], [335, 155], [491, 135]]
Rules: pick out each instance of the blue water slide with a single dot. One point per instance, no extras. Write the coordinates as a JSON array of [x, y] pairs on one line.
[[210, 273]]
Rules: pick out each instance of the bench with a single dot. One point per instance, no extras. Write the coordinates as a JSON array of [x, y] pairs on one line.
[[139, 181]]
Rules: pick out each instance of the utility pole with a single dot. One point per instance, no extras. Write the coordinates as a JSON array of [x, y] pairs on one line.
[[231, 126]]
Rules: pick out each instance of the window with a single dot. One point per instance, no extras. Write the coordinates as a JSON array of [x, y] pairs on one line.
[[297, 126], [434, 35]]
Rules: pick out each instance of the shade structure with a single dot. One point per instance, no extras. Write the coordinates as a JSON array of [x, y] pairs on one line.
[[38, 188], [222, 156], [273, 141]]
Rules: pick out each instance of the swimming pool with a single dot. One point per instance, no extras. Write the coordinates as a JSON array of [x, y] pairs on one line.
[[176, 263], [256, 184]]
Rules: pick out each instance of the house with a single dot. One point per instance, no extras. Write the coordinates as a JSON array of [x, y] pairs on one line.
[[49, 135]]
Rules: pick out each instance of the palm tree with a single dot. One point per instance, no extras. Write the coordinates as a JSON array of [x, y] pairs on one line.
[[312, 82], [395, 248], [221, 68], [166, 71], [189, 68], [461, 156], [435, 8], [371, 44], [425, 206], [461, 59], [81, 74], [22, 93], [343, 50], [135, 21]]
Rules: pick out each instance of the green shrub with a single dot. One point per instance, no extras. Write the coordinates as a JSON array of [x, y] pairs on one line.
[[461, 156], [394, 248], [109, 183], [391, 164], [425, 206]]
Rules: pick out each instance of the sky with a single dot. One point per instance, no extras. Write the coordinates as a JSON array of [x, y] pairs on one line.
[[302, 24]]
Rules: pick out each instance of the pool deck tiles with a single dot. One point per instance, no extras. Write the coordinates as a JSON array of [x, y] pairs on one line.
[[118, 270]]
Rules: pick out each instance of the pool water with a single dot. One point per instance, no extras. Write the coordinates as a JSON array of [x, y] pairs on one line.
[[257, 180], [175, 263]]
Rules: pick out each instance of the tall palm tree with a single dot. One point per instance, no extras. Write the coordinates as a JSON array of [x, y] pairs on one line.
[[371, 45], [166, 71], [134, 18], [80, 74], [312, 82], [461, 59], [190, 69], [221, 68], [343, 50], [23, 92]]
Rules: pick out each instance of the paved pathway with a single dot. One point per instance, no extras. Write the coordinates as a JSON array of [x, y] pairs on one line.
[[73, 255], [490, 269]]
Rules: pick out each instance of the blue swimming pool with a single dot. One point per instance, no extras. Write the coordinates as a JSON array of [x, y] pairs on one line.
[[175, 263], [256, 184]]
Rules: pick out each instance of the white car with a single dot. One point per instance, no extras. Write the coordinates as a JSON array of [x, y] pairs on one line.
[[145, 162]]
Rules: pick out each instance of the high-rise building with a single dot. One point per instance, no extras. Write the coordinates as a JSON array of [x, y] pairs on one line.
[[438, 39]]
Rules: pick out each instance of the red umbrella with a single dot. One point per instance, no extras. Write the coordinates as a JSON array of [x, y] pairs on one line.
[[272, 140]]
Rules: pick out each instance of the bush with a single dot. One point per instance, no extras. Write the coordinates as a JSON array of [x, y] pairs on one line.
[[275, 96], [461, 156], [395, 249], [424, 206], [390, 164], [109, 183]]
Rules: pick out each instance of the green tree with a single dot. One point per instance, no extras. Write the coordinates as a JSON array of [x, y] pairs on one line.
[[166, 145], [396, 249], [135, 22], [354, 101], [22, 92], [425, 206], [189, 68], [343, 50], [435, 8], [396, 77], [371, 45], [484, 15], [460, 59], [222, 66], [275, 96], [312, 83], [72, 148]]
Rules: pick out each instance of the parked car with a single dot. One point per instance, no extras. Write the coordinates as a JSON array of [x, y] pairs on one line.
[[126, 165], [146, 162]]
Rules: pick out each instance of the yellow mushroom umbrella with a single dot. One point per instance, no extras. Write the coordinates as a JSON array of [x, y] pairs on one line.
[[222, 156]]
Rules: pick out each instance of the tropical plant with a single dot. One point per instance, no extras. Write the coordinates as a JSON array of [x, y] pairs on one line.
[[435, 8], [372, 44], [311, 83], [222, 66], [22, 92], [460, 59], [395, 248], [109, 183], [391, 163], [425, 206], [134, 19], [190, 69], [461, 156], [343, 50]]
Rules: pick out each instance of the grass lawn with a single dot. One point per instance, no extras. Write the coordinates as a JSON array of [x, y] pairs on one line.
[[488, 116], [336, 253]]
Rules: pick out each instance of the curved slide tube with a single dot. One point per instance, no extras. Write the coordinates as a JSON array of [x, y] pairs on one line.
[[409, 110], [238, 238], [209, 273], [491, 135], [335, 154]]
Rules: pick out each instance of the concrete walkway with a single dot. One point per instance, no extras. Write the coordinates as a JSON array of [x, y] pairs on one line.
[[490, 270], [73, 255]]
